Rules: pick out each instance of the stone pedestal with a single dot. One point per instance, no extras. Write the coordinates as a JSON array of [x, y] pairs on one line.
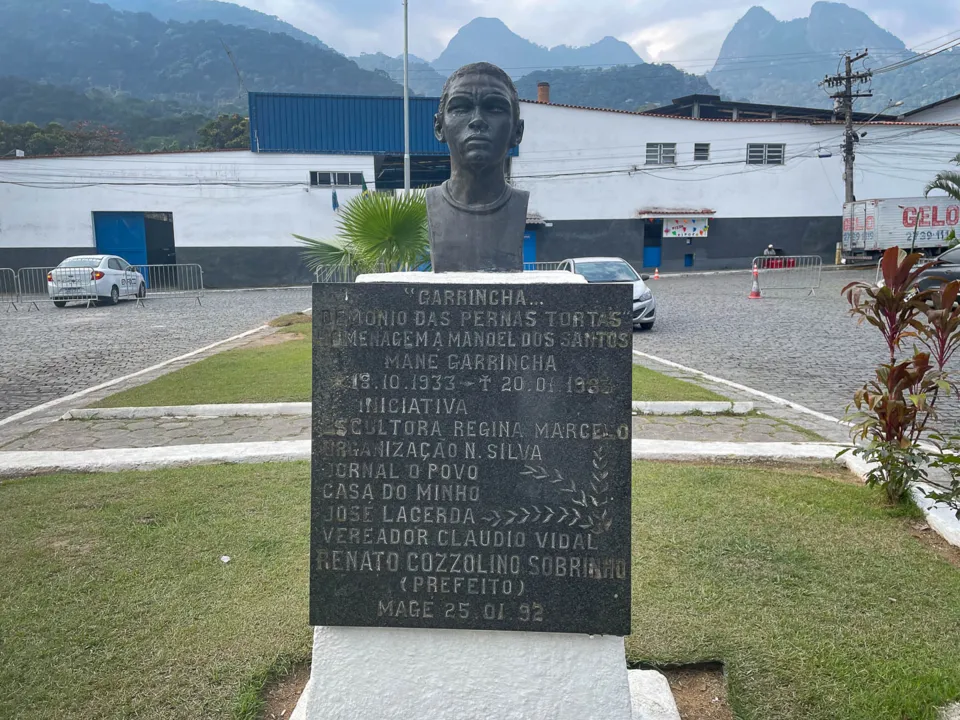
[[367, 673], [399, 674]]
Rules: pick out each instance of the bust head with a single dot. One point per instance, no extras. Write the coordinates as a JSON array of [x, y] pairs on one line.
[[479, 117]]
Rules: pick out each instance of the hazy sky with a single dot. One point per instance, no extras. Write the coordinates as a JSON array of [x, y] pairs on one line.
[[687, 33]]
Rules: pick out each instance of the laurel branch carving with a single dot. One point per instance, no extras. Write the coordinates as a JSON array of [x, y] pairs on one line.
[[583, 508]]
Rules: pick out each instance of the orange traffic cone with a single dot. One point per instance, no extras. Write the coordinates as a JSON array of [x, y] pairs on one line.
[[755, 291], [656, 274]]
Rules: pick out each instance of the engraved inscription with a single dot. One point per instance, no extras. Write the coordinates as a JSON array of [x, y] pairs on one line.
[[471, 457]]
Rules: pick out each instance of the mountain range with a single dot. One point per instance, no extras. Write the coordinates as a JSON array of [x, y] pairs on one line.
[[490, 39], [766, 60], [223, 12], [154, 67]]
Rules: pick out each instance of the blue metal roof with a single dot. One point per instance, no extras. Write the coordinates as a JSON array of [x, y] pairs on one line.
[[341, 124]]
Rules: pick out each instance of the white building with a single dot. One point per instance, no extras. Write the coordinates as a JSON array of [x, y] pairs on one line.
[[660, 190], [942, 111]]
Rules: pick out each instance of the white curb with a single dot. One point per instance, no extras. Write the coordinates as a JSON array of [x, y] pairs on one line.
[[685, 408], [695, 450], [190, 411], [21, 463], [939, 516]]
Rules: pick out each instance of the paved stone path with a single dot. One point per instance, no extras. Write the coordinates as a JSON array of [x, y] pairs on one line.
[[52, 353], [159, 432], [805, 349], [746, 428]]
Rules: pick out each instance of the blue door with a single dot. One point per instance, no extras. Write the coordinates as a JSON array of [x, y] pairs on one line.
[[123, 234], [651, 257], [529, 248]]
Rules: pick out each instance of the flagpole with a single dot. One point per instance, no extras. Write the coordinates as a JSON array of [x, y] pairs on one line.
[[406, 98]]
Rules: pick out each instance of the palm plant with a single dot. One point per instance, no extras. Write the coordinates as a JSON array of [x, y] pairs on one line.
[[376, 232], [947, 180]]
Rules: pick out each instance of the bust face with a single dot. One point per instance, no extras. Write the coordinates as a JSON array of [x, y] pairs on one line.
[[478, 122]]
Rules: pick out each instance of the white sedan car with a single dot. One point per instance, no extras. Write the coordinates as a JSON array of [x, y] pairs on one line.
[[103, 278], [618, 270]]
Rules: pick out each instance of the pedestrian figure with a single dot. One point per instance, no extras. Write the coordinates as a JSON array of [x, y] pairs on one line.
[[769, 251]]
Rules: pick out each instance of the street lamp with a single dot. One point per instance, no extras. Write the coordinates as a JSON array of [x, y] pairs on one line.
[[898, 103], [406, 98]]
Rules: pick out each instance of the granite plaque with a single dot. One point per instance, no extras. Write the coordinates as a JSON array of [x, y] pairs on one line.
[[471, 457]]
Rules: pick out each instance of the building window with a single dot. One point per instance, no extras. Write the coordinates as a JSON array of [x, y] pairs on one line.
[[765, 154], [336, 179], [661, 153], [701, 152]]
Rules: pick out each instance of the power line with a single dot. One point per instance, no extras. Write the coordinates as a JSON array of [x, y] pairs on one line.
[[919, 58]]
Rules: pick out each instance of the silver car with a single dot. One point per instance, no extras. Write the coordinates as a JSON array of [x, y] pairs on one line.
[[105, 279], [613, 270]]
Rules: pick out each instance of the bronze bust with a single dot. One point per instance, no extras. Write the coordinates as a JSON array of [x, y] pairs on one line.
[[476, 220]]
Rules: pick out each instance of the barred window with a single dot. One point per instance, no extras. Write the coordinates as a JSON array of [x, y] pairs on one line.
[[661, 153], [335, 179], [765, 154], [701, 152]]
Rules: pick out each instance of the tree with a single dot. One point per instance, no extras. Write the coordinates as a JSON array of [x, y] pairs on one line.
[[54, 139], [225, 132], [947, 180], [376, 232]]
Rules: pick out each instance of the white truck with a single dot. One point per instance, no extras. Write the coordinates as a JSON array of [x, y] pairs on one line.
[[872, 226]]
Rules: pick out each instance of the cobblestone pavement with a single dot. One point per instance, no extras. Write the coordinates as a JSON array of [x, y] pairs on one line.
[[805, 349], [158, 432], [52, 353]]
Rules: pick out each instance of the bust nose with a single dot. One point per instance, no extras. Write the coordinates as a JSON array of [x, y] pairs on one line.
[[477, 122]]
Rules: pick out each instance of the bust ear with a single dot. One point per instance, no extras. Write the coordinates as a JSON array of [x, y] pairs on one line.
[[438, 128], [518, 135]]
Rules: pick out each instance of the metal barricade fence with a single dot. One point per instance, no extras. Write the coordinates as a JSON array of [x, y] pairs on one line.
[[338, 274], [58, 285], [171, 281], [335, 274], [9, 290], [789, 272], [540, 266]]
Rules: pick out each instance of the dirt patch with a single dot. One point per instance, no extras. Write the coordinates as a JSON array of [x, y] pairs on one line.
[[280, 697], [68, 546], [291, 319], [933, 540], [701, 693], [274, 338]]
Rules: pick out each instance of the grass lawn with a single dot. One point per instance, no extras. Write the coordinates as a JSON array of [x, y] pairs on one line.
[[281, 373], [270, 373], [652, 386], [818, 597], [114, 602]]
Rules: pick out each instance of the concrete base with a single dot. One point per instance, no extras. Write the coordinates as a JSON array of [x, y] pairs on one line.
[[396, 674]]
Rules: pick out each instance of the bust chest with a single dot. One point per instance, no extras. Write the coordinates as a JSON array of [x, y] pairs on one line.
[[488, 240]]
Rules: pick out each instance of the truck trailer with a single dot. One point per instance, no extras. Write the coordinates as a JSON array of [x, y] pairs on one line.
[[929, 225]]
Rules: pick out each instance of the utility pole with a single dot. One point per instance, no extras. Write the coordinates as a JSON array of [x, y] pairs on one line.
[[406, 98], [846, 97]]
